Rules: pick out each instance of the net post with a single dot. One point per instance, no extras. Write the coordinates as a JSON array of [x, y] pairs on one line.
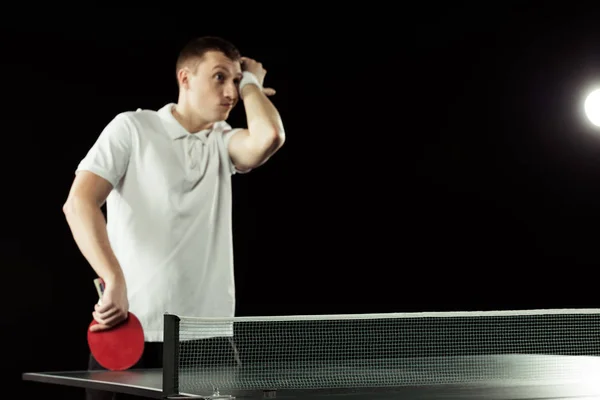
[[171, 355]]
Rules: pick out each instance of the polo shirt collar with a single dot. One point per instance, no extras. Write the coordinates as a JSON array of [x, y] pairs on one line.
[[176, 131]]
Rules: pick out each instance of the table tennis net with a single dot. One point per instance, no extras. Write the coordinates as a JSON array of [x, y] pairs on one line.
[[379, 350]]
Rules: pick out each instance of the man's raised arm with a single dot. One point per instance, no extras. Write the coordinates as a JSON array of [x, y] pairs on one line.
[[252, 147]]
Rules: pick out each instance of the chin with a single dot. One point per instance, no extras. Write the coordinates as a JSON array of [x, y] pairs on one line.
[[223, 116]]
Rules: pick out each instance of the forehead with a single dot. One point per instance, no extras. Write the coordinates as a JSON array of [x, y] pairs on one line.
[[213, 60]]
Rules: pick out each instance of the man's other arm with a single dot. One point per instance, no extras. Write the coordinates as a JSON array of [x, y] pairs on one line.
[[98, 173], [83, 212]]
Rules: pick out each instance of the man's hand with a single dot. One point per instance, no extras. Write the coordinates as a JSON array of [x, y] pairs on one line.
[[257, 69], [112, 308]]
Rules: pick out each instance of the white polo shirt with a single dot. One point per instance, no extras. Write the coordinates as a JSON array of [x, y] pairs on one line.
[[169, 214]]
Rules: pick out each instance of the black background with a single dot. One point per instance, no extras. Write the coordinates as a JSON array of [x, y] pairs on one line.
[[437, 158]]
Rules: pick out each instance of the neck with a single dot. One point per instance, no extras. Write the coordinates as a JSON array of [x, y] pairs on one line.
[[192, 123]]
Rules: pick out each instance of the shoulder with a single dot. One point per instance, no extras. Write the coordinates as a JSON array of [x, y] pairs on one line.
[[137, 123], [140, 118]]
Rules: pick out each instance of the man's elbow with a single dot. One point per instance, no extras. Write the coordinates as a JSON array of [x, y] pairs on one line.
[[274, 140], [75, 205], [71, 208], [68, 207], [263, 149], [279, 138]]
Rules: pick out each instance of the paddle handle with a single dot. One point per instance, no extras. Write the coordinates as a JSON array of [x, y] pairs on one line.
[[99, 283]]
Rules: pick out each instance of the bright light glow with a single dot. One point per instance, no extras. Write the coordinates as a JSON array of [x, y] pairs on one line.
[[592, 107]]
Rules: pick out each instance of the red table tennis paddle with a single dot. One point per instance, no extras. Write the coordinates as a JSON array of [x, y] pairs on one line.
[[119, 347]]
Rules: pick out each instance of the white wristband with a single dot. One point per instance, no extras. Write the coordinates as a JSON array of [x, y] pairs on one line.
[[248, 78]]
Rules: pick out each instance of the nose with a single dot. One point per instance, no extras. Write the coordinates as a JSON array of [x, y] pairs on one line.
[[231, 91]]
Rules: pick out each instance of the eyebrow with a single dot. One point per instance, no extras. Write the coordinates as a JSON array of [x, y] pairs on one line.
[[225, 69]]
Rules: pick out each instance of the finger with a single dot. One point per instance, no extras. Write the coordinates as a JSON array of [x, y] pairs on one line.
[[102, 308], [269, 91], [99, 328], [105, 311], [111, 320], [97, 318], [107, 314], [114, 320]]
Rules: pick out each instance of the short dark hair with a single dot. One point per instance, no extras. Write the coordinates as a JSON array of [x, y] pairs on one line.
[[195, 49]]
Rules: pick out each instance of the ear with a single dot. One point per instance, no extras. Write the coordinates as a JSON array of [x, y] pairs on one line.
[[183, 77]]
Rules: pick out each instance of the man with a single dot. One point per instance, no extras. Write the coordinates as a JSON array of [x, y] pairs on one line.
[[165, 175]]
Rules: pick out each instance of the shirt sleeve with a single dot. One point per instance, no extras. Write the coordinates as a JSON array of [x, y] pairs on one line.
[[109, 155], [226, 137]]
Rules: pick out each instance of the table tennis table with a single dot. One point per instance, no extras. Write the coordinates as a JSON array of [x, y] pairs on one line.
[[582, 382], [490, 355]]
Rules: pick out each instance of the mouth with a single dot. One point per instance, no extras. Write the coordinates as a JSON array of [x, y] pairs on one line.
[[227, 105]]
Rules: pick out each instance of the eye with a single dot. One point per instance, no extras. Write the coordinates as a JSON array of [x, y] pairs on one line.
[[220, 76]]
